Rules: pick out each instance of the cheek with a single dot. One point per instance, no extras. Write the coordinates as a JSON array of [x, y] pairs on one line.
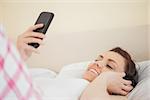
[[105, 69]]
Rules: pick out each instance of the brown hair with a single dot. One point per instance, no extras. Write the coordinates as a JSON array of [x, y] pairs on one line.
[[130, 69]]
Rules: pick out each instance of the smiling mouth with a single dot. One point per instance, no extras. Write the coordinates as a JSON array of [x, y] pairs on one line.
[[93, 71]]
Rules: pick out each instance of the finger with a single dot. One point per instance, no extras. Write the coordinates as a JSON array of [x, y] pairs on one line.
[[34, 34], [126, 82], [32, 49], [127, 88], [35, 27], [124, 93], [33, 40], [122, 74]]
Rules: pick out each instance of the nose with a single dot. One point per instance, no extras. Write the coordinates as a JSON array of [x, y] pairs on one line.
[[102, 64]]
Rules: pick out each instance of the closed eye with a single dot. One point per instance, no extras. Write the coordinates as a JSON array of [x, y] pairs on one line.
[[109, 66]]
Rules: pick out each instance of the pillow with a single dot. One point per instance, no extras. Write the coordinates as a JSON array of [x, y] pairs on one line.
[[142, 89], [42, 72], [74, 70]]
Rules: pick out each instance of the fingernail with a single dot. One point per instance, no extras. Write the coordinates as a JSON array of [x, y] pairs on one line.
[[41, 24], [123, 73]]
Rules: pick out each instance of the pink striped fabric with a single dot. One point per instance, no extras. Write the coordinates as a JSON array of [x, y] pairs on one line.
[[15, 80]]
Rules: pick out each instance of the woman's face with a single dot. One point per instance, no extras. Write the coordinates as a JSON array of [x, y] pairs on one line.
[[108, 61]]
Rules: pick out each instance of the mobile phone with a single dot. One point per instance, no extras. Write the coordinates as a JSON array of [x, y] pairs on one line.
[[44, 18]]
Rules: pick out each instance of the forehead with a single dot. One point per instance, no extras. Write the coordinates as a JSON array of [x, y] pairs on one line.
[[120, 61]]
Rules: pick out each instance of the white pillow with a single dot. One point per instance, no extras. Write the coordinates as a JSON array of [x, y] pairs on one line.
[[140, 92], [42, 72], [142, 89], [74, 70]]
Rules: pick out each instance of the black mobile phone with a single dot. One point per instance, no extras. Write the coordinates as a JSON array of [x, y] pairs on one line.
[[44, 18]]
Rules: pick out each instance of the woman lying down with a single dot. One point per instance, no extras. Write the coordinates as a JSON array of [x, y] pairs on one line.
[[105, 74], [104, 80]]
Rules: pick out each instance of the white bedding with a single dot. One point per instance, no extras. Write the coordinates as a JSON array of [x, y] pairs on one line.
[[61, 89], [53, 88], [42, 72], [68, 84]]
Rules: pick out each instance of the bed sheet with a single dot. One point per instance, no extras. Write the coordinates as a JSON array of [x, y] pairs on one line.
[[53, 88], [60, 89]]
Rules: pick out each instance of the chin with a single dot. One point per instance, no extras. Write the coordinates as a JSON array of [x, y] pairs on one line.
[[88, 78]]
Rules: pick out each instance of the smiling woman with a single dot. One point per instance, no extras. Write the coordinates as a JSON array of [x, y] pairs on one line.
[[116, 60]]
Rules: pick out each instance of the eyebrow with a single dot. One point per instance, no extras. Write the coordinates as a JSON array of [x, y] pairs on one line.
[[109, 59], [112, 60], [101, 56]]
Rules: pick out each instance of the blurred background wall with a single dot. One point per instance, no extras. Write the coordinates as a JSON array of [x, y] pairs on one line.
[[81, 29]]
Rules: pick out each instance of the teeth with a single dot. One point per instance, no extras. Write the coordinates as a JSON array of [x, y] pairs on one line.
[[94, 71]]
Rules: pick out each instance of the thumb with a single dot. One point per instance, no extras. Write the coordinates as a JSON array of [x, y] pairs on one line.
[[122, 74], [35, 27]]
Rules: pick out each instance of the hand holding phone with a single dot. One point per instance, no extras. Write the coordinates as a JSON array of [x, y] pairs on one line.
[[44, 18]]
